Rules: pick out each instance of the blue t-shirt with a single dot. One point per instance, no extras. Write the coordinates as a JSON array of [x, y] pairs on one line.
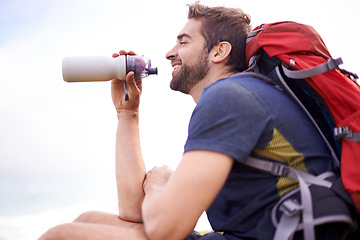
[[242, 115]]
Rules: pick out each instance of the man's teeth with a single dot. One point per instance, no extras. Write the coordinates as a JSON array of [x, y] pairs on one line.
[[176, 66]]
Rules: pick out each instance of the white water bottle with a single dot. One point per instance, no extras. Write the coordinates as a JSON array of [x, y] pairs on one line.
[[104, 68]]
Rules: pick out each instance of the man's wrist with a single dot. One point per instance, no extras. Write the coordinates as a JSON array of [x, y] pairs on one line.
[[127, 114]]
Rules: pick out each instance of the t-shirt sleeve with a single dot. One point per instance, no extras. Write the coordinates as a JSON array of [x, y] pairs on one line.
[[228, 119]]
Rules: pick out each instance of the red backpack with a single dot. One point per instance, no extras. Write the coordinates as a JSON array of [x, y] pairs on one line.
[[294, 56]]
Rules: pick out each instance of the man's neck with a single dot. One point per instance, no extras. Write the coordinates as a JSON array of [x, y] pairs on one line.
[[198, 89]]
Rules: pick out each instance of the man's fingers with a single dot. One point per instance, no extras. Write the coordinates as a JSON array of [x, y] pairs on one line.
[[123, 52], [130, 80]]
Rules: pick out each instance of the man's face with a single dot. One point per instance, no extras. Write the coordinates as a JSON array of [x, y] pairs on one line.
[[189, 58]]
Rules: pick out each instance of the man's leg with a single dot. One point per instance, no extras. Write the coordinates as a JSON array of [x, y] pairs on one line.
[[97, 225], [107, 219]]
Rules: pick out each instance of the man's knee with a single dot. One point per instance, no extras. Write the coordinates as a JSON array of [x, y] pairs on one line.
[[57, 233], [88, 217]]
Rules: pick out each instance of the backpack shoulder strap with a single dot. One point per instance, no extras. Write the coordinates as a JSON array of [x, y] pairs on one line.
[[294, 211]]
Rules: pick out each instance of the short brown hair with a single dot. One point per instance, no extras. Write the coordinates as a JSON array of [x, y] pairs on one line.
[[224, 24]]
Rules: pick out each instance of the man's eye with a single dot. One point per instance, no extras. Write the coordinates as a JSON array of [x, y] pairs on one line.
[[182, 42]]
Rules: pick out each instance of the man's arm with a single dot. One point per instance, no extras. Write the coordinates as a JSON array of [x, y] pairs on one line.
[[130, 167], [172, 209]]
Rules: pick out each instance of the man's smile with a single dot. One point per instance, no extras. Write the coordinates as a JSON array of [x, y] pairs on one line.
[[176, 67]]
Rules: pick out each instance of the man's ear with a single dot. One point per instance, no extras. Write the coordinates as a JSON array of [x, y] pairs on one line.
[[220, 52]]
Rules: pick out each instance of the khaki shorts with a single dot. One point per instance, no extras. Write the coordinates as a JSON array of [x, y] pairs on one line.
[[209, 236]]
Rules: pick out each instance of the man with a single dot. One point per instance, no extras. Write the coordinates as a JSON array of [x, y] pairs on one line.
[[236, 116]]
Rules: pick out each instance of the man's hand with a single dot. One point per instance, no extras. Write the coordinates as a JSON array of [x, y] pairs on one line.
[[133, 87], [173, 204], [156, 178]]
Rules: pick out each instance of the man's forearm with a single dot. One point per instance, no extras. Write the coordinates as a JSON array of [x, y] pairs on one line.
[[130, 167]]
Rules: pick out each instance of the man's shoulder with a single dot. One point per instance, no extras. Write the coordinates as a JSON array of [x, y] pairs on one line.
[[253, 75], [245, 79], [235, 92], [241, 83]]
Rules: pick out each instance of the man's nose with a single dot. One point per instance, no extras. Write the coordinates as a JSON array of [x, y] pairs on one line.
[[171, 54]]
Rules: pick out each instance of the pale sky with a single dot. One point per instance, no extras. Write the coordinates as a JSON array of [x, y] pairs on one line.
[[48, 125]]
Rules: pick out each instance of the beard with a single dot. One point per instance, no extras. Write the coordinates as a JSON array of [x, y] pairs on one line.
[[189, 76]]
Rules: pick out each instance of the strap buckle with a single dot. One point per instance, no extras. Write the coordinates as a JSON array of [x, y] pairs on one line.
[[342, 132], [280, 169], [290, 207]]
